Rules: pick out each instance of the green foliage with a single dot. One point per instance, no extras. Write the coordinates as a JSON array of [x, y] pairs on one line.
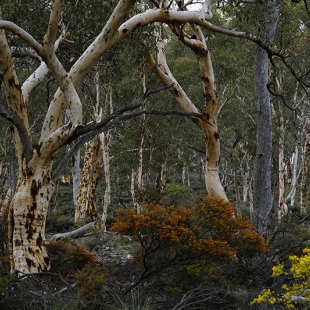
[[177, 194]]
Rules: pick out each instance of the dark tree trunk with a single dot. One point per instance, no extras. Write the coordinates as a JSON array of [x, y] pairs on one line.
[[262, 166]]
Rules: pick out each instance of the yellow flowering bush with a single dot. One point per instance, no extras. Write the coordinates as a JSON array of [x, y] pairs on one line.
[[292, 292]]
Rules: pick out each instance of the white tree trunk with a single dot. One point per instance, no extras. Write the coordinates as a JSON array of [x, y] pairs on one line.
[[105, 141], [294, 177], [164, 169], [305, 170], [133, 189], [27, 216], [76, 176], [208, 123], [141, 147], [282, 207]]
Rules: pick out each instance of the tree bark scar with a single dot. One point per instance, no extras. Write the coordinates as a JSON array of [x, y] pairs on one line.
[[216, 135], [46, 260], [34, 189], [39, 241], [208, 97], [30, 262], [11, 81], [18, 243], [206, 116]]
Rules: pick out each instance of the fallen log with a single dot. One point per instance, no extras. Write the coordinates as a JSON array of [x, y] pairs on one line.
[[75, 234]]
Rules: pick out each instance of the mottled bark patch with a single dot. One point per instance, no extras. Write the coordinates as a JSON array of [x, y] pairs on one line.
[[29, 232], [206, 116], [34, 189], [29, 262], [208, 97], [46, 260], [18, 243], [39, 241]]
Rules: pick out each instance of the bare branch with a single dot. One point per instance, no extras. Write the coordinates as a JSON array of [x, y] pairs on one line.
[[21, 128], [20, 52], [105, 126], [25, 36], [52, 28]]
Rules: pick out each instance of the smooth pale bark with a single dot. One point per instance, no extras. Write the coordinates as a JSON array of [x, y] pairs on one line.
[[35, 161], [164, 168], [76, 175], [28, 207], [54, 132], [151, 151], [208, 124], [282, 207], [141, 146], [293, 177], [237, 193], [105, 143], [305, 170], [262, 165], [133, 189], [137, 177], [75, 234]]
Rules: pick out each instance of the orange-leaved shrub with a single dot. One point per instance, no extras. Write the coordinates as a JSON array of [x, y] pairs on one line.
[[171, 236], [90, 283], [67, 257]]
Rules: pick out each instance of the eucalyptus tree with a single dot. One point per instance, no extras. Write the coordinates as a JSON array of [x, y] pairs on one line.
[[68, 68], [263, 158]]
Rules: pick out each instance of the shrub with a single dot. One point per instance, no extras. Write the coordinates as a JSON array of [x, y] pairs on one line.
[[194, 235], [294, 285], [68, 257], [177, 194], [90, 283]]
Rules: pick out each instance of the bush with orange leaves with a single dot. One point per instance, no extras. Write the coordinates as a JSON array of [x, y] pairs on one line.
[[192, 235]]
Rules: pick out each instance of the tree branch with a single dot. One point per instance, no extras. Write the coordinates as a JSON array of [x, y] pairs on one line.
[[50, 36], [24, 35], [89, 135], [21, 128]]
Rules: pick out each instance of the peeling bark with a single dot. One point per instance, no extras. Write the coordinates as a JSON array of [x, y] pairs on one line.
[[86, 201], [27, 216]]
